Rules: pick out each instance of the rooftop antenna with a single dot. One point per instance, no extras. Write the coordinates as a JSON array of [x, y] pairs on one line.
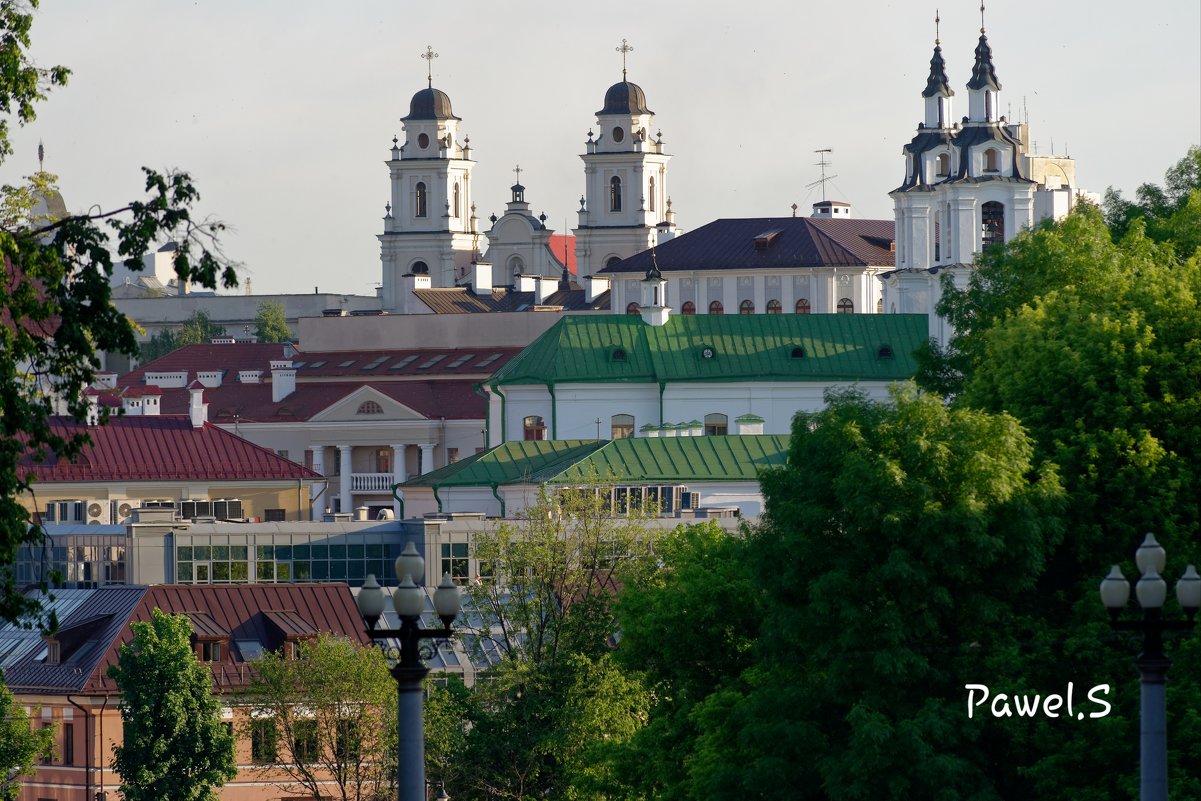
[[429, 55], [823, 163], [625, 48]]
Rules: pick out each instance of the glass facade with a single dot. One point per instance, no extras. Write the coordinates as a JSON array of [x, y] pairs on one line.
[[282, 558], [82, 560]]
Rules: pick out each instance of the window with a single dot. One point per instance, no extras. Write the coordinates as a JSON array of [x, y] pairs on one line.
[[612, 261], [615, 192], [420, 268], [688, 308], [992, 160], [651, 193], [943, 168], [348, 742], [879, 305], [746, 307], [263, 742], [533, 428], [455, 203], [802, 306], [716, 308], [988, 106], [421, 201], [283, 454], [993, 223], [210, 650], [275, 515], [798, 352], [423, 140], [68, 743], [304, 741], [454, 561], [452, 455], [774, 307], [632, 308], [619, 355], [619, 134], [370, 407], [383, 460], [846, 306], [622, 426], [53, 652], [716, 425]]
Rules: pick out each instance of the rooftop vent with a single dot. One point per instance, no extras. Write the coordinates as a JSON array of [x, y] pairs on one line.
[[764, 240]]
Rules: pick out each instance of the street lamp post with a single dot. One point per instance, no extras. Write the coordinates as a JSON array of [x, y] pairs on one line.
[[409, 602], [1152, 663]]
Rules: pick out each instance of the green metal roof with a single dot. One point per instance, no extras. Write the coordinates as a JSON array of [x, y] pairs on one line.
[[706, 347], [637, 460]]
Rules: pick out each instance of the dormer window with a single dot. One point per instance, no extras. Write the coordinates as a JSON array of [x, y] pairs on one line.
[[54, 652], [209, 651]]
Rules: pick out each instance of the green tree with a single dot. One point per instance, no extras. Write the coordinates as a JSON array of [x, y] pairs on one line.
[[326, 714], [270, 323], [21, 745], [197, 329], [175, 747], [1170, 213], [541, 716], [55, 309]]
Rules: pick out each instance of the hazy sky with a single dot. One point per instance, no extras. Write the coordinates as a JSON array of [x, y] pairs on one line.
[[284, 112]]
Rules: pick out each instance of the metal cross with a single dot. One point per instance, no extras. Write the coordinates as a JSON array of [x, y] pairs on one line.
[[625, 48], [517, 170], [936, 21], [981, 16], [429, 55]]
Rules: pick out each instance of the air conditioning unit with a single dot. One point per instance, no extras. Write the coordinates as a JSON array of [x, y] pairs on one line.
[[690, 500], [119, 511], [98, 512]]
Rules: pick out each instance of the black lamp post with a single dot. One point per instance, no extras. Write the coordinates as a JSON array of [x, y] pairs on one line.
[[409, 602], [1152, 663]]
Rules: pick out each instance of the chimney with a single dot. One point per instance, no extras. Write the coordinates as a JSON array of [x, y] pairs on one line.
[[408, 284], [197, 408], [283, 381], [151, 401], [544, 287], [481, 278], [289, 349], [105, 380], [525, 283], [93, 399], [594, 286]]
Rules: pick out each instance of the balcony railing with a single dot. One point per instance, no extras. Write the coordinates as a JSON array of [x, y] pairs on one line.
[[371, 482]]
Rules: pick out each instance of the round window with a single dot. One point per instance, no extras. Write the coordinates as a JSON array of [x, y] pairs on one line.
[[423, 141], [707, 353], [619, 134]]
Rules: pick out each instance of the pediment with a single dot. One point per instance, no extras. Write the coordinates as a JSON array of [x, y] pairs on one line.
[[360, 405]]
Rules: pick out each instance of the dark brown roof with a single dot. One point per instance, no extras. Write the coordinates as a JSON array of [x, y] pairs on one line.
[[162, 448], [461, 300], [783, 242]]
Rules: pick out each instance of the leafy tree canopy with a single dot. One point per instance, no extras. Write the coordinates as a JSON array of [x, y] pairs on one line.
[[270, 323], [55, 309], [1171, 213], [21, 745], [175, 747], [196, 329]]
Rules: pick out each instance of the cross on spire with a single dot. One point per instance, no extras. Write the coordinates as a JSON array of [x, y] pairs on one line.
[[624, 49], [936, 22], [429, 55], [517, 170], [981, 16]]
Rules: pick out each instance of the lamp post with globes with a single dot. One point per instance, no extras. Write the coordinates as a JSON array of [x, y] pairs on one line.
[[1152, 663], [409, 602]]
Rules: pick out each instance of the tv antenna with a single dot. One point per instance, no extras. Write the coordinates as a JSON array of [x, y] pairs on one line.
[[822, 162]]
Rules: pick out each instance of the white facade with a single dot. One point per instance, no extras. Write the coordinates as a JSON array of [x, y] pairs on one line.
[[519, 245]]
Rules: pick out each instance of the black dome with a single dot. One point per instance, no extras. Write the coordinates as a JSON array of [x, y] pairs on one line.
[[625, 98], [430, 104]]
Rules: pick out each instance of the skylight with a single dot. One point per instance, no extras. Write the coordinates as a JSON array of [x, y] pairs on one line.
[[459, 362], [315, 365], [403, 363], [374, 363], [490, 359], [346, 363], [432, 361]]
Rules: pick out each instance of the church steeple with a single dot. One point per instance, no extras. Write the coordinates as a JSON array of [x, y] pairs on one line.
[[983, 87], [938, 90]]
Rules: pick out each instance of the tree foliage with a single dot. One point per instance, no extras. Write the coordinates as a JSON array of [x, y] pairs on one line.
[[1170, 213], [21, 745], [197, 329], [175, 747], [55, 309], [331, 711], [271, 322]]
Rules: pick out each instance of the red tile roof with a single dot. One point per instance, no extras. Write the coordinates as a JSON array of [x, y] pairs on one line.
[[561, 245], [163, 448]]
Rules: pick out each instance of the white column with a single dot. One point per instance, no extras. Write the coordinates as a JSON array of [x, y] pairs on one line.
[[399, 474], [427, 458], [322, 500], [344, 463]]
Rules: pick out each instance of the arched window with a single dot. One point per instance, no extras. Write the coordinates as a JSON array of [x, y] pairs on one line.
[[533, 427], [774, 307], [633, 308], [622, 426], [846, 306], [421, 202], [688, 308], [802, 306], [880, 306], [716, 425], [651, 207], [746, 307], [992, 160], [612, 261], [992, 223], [716, 308], [456, 200], [944, 165], [989, 113], [516, 266], [370, 407], [420, 268], [614, 194]]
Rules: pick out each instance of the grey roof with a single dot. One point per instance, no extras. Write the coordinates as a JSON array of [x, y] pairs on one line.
[[984, 74], [625, 98], [938, 83], [430, 104], [783, 242]]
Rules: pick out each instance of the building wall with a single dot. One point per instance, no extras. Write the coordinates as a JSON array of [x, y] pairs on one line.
[[256, 498]]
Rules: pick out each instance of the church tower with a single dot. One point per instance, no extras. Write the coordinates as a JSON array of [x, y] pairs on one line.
[[626, 207], [430, 229]]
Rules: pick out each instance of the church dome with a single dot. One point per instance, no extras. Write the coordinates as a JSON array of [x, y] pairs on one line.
[[430, 104], [625, 98]]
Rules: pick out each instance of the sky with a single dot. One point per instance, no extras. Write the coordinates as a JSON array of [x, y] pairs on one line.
[[284, 111]]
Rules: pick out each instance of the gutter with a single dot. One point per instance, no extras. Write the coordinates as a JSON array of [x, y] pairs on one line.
[[503, 423], [554, 411], [662, 389], [436, 498], [399, 500], [87, 751], [313, 498], [499, 499]]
